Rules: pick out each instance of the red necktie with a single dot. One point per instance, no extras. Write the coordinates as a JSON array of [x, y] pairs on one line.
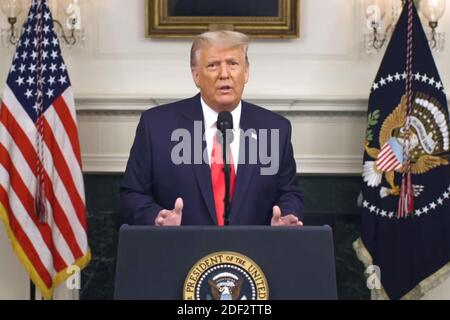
[[218, 179]]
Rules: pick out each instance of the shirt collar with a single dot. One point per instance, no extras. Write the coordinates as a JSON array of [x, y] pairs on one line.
[[210, 116]]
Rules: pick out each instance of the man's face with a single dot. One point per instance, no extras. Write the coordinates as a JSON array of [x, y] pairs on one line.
[[221, 74]]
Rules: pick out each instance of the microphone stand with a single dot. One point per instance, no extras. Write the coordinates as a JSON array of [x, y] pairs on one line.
[[226, 171]]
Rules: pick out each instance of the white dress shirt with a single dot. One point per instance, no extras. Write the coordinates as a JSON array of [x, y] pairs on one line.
[[210, 117]]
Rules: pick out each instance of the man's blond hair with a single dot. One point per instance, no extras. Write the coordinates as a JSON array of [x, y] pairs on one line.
[[222, 39]]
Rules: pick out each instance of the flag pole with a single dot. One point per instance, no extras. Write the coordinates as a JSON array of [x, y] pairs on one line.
[[32, 290]]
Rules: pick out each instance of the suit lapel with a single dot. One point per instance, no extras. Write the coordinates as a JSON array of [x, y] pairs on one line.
[[245, 170], [193, 112]]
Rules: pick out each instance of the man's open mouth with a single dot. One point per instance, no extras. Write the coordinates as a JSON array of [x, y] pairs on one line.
[[225, 88]]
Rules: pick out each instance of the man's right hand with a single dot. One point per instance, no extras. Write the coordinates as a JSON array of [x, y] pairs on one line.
[[170, 217]]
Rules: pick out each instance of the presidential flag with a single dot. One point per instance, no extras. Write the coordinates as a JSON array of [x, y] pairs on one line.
[[405, 229], [42, 201]]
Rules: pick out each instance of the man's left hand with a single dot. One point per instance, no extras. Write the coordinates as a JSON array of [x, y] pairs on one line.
[[287, 220]]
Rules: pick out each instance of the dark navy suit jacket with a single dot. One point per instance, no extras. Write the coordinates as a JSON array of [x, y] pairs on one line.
[[152, 182]]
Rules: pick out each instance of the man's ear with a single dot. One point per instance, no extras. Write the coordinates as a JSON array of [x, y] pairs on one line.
[[247, 72], [195, 77]]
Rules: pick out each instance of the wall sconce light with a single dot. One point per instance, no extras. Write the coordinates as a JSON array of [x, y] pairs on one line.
[[11, 9], [67, 20], [433, 10], [382, 15], [375, 11], [69, 26]]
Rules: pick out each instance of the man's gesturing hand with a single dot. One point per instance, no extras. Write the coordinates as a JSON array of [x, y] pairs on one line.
[[287, 220], [170, 217]]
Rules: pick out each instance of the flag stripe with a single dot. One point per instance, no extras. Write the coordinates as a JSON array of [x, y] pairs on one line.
[[27, 205], [25, 242], [59, 239], [69, 124], [60, 195], [30, 181], [19, 113], [70, 101], [64, 172], [384, 153], [20, 137], [15, 202], [382, 165], [385, 158], [62, 140], [390, 163], [26, 148], [17, 156], [59, 216], [61, 219], [383, 161], [384, 150]]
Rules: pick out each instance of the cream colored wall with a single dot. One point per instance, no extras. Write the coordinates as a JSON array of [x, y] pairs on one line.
[[320, 82]]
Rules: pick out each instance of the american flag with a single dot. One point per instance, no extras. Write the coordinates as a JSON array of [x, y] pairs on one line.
[[42, 199]]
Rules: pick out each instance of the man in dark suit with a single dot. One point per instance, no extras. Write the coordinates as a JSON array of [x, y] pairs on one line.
[[175, 161]]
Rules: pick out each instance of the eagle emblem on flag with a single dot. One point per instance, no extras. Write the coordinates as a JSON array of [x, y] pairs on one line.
[[429, 144]]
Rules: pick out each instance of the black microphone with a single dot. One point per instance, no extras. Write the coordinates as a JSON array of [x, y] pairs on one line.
[[225, 127], [225, 137]]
